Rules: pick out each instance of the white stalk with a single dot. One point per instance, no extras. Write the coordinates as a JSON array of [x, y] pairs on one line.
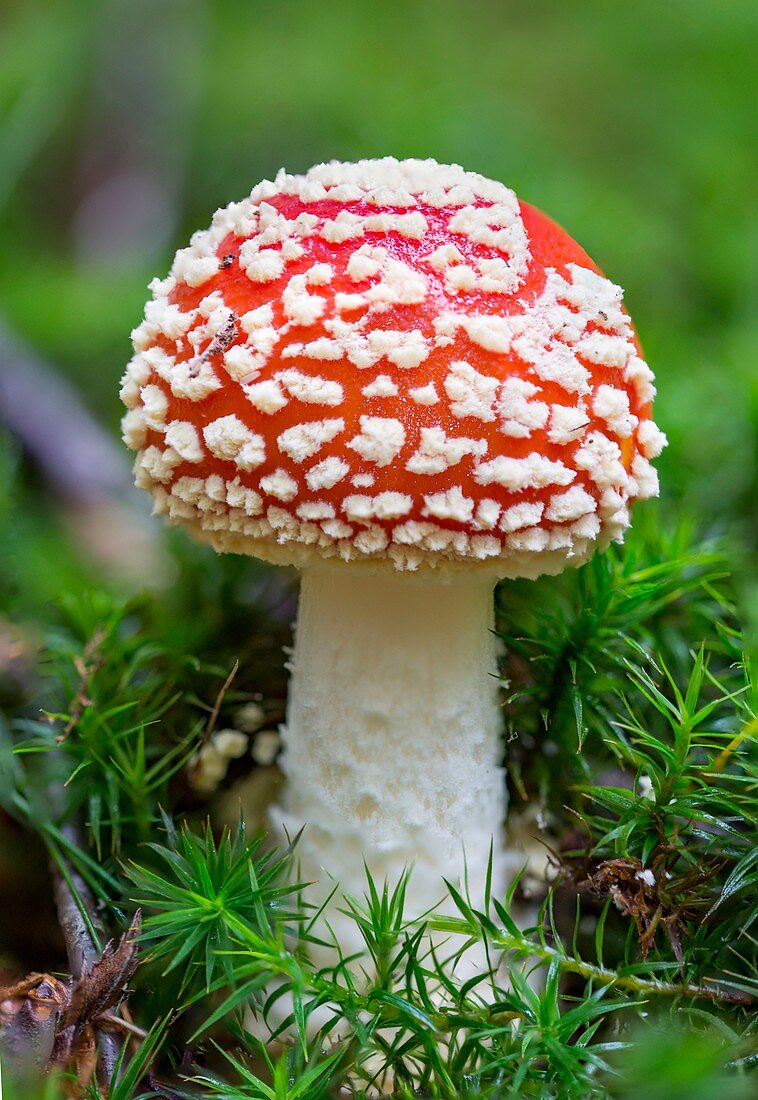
[[392, 741]]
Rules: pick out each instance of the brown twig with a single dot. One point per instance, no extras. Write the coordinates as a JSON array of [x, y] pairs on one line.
[[213, 717], [121, 1023], [81, 949], [87, 665], [76, 455]]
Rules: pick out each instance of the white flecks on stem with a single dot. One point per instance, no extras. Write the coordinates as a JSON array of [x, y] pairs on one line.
[[395, 759]]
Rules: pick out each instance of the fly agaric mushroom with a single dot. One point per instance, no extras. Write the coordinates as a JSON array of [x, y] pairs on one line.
[[399, 378]]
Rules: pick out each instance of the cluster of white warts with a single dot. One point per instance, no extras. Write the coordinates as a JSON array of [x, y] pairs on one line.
[[550, 338]]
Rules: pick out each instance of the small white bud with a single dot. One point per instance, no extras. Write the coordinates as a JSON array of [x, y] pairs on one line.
[[230, 744], [207, 769], [250, 717], [266, 747]]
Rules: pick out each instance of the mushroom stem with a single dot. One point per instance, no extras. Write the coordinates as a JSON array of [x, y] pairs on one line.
[[393, 737]]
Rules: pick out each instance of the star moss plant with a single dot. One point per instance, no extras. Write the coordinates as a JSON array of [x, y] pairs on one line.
[[641, 804]]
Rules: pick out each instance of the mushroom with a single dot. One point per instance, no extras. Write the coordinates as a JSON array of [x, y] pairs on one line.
[[399, 378]]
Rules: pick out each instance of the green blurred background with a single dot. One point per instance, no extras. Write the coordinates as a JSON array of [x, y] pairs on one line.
[[125, 123]]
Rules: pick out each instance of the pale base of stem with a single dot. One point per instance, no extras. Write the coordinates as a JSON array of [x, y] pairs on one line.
[[393, 736]]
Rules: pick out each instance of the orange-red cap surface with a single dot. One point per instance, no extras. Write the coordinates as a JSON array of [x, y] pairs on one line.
[[391, 360]]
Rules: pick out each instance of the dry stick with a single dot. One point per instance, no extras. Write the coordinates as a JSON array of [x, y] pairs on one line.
[[213, 717], [81, 949], [124, 1024], [40, 408], [81, 464], [71, 891]]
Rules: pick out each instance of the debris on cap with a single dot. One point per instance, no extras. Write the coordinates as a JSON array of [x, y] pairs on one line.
[[391, 361]]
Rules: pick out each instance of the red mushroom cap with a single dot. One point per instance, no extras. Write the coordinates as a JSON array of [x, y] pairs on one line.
[[391, 360]]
